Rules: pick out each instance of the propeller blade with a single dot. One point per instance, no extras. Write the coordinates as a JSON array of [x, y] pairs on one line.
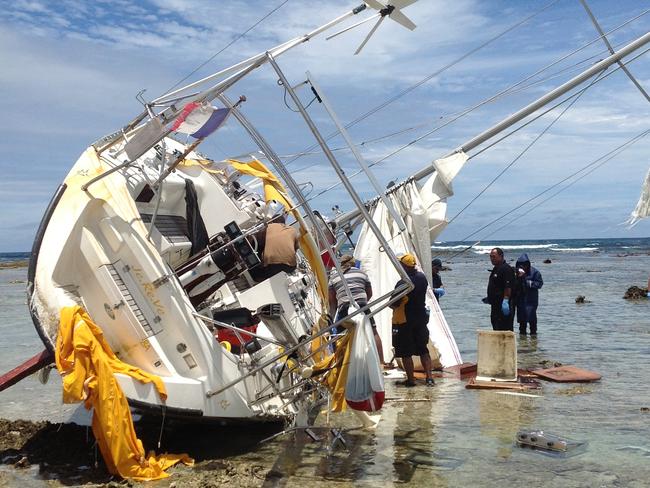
[[374, 4], [402, 19], [399, 4], [352, 26], [372, 31]]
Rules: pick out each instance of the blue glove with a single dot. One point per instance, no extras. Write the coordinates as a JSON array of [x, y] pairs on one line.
[[648, 294], [505, 307], [439, 292]]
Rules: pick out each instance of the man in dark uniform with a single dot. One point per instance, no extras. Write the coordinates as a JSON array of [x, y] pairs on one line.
[[436, 281], [499, 291], [411, 337]]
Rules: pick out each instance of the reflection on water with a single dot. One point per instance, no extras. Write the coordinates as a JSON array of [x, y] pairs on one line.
[[448, 436]]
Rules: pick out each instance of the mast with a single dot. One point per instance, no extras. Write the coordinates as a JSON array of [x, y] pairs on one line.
[[524, 112]]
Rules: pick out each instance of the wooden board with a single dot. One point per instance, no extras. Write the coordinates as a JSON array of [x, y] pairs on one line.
[[462, 370], [501, 385], [30, 366], [567, 374]]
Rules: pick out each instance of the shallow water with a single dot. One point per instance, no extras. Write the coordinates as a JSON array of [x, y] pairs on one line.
[[462, 437]]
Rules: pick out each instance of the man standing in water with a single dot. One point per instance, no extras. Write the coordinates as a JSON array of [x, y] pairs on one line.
[[529, 281], [436, 281], [411, 335], [499, 291]]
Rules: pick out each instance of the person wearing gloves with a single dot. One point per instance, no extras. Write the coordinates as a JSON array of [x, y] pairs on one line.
[[436, 281], [499, 291], [528, 282]]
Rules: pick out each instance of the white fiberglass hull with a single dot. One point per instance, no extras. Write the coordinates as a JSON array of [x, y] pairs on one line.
[[94, 251]]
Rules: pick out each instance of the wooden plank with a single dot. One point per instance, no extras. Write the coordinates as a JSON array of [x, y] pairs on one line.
[[501, 385], [30, 366], [567, 374]]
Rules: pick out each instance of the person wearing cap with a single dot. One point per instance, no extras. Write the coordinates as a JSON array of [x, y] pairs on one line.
[[360, 289], [412, 337], [528, 281], [499, 291], [436, 280]]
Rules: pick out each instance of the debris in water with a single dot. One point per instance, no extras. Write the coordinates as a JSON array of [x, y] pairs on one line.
[[546, 442], [582, 299]]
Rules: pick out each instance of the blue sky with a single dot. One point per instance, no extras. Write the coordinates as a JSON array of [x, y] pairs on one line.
[[71, 70]]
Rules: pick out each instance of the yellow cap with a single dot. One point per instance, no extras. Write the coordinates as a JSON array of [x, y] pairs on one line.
[[408, 260]]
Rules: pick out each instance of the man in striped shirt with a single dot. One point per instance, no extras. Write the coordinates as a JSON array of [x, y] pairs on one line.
[[360, 289]]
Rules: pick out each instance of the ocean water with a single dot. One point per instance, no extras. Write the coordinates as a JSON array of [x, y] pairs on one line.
[[449, 436]]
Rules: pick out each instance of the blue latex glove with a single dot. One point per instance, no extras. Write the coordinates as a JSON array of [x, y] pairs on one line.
[[648, 294], [505, 307], [439, 292]]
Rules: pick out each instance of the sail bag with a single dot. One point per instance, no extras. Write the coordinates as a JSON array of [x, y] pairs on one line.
[[364, 389]]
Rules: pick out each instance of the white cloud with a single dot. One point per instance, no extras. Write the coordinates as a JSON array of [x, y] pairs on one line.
[[71, 70]]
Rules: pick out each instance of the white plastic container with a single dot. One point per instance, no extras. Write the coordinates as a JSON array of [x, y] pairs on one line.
[[497, 356]]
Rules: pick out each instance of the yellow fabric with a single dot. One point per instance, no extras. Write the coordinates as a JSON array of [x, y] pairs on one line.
[[204, 164], [399, 312], [337, 377], [87, 366], [274, 190]]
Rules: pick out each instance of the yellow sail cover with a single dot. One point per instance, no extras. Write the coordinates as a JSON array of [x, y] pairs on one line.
[[87, 365]]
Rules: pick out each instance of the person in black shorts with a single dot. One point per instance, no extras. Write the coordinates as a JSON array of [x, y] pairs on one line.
[[499, 291], [410, 338]]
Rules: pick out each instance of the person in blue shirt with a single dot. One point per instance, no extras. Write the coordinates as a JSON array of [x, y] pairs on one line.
[[528, 281]]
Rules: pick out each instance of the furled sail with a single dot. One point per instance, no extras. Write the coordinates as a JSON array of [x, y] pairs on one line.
[[423, 209]]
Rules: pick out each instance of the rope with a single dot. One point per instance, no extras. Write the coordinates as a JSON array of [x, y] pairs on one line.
[[525, 150], [227, 46]]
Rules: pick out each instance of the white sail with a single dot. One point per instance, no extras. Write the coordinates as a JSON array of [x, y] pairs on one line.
[[421, 211]]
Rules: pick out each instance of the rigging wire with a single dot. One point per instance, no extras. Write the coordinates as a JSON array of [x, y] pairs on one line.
[[629, 143], [428, 77], [591, 167], [379, 161], [515, 88], [456, 115], [525, 150], [238, 37]]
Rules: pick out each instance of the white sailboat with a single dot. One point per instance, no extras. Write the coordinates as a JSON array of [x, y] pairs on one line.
[[158, 245], [120, 240]]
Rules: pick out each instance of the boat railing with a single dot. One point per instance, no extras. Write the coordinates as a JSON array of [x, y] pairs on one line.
[[392, 297]]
